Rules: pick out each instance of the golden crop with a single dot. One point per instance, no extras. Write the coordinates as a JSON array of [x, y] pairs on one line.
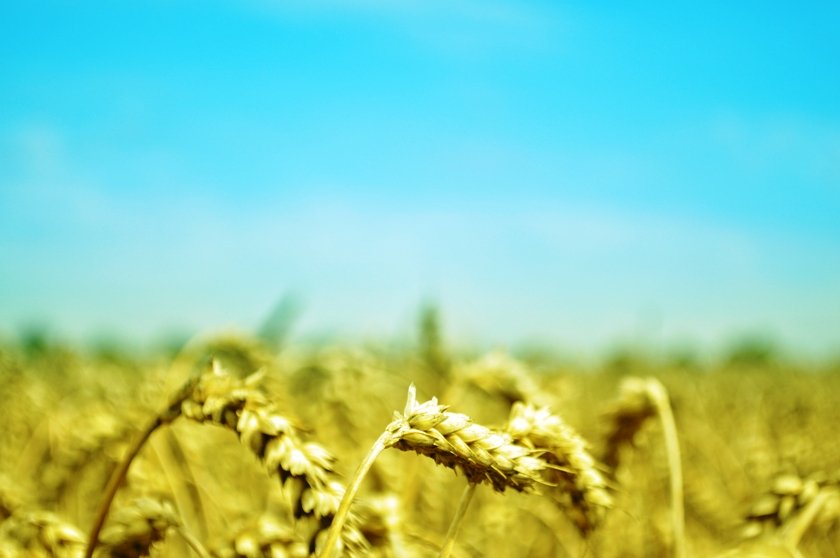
[[230, 449]]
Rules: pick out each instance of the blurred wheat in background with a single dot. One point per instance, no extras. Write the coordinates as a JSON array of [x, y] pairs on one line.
[[247, 451]]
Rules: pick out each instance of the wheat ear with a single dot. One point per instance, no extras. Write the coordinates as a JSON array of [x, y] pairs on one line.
[[579, 486], [628, 415], [266, 536], [483, 455], [305, 468]]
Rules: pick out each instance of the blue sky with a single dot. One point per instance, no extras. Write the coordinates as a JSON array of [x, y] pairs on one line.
[[578, 174]]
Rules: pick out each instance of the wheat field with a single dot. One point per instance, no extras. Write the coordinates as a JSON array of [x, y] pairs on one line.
[[229, 448]]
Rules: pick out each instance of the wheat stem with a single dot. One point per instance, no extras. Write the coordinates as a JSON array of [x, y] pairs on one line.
[[792, 533], [672, 447], [172, 411], [331, 545], [187, 491], [457, 520], [193, 542]]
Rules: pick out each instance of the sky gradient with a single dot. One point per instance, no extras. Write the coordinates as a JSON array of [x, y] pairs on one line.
[[578, 174]]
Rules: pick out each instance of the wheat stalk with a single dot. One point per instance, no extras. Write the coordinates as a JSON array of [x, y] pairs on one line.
[[659, 396], [457, 521], [170, 413], [640, 400], [304, 468], [451, 439]]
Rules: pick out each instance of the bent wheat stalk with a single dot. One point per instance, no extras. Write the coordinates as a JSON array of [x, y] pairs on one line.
[[304, 468], [483, 455], [659, 396], [642, 399], [172, 411]]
